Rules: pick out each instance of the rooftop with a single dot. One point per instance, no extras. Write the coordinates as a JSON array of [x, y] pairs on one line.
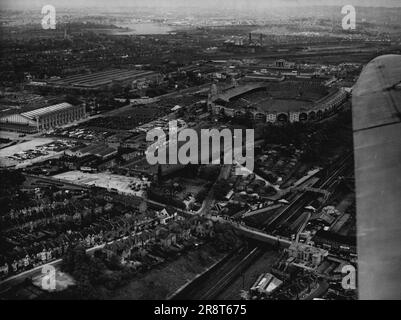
[[103, 77], [237, 91], [42, 111]]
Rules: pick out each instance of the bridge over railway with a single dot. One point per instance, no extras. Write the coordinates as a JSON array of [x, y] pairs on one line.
[[261, 236], [254, 233], [261, 210], [315, 190]]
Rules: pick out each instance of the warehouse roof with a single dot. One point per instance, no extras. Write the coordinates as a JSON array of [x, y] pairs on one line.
[[46, 110], [100, 150]]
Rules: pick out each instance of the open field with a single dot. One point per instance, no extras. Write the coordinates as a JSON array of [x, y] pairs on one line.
[[277, 97], [163, 281], [108, 181]]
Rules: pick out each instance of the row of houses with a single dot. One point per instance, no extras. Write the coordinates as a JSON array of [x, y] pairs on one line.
[[106, 226], [176, 230]]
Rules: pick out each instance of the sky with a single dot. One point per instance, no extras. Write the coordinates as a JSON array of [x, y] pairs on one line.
[[234, 4]]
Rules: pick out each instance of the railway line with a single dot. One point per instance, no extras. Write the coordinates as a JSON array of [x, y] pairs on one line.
[[291, 212], [211, 284]]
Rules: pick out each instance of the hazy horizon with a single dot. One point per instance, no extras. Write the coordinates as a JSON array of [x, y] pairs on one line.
[[204, 4]]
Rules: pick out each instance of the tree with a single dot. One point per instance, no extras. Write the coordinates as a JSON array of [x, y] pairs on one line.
[[159, 173], [72, 258], [220, 189], [10, 191], [201, 195], [72, 99]]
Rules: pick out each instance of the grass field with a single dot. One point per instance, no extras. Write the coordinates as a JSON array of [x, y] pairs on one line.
[[163, 281]]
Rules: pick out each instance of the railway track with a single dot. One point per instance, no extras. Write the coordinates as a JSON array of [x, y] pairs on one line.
[[223, 282], [291, 213], [211, 284], [329, 184]]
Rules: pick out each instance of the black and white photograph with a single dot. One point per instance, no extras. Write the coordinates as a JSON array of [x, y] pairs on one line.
[[204, 157]]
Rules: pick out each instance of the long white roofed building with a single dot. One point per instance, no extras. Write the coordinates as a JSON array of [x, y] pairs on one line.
[[43, 118]]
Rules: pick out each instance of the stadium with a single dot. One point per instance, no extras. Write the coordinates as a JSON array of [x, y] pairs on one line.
[[288, 101]]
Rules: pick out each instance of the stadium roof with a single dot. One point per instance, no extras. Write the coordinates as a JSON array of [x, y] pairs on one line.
[[46, 110], [237, 91]]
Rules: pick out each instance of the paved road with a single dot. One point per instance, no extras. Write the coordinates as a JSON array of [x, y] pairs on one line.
[[258, 234]]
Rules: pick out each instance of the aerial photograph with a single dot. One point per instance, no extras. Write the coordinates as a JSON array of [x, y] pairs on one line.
[[238, 152]]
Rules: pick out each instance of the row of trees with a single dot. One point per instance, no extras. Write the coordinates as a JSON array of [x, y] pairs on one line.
[[10, 193], [317, 140], [220, 189], [90, 272]]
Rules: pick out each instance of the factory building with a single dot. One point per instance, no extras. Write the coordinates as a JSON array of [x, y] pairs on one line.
[[105, 80], [44, 118], [100, 150], [306, 256]]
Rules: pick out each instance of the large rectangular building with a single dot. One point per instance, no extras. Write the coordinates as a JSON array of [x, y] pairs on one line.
[[43, 118], [106, 79]]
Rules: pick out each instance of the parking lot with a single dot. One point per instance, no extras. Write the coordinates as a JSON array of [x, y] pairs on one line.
[[112, 182], [28, 152]]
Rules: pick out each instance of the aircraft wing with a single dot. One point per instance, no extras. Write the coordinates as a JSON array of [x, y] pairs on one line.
[[376, 105]]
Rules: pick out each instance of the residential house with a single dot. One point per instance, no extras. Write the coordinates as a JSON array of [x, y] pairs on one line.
[[165, 215], [167, 238]]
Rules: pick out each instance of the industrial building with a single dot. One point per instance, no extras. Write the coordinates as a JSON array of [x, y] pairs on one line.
[[100, 150], [306, 256], [43, 118], [103, 80], [265, 285]]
